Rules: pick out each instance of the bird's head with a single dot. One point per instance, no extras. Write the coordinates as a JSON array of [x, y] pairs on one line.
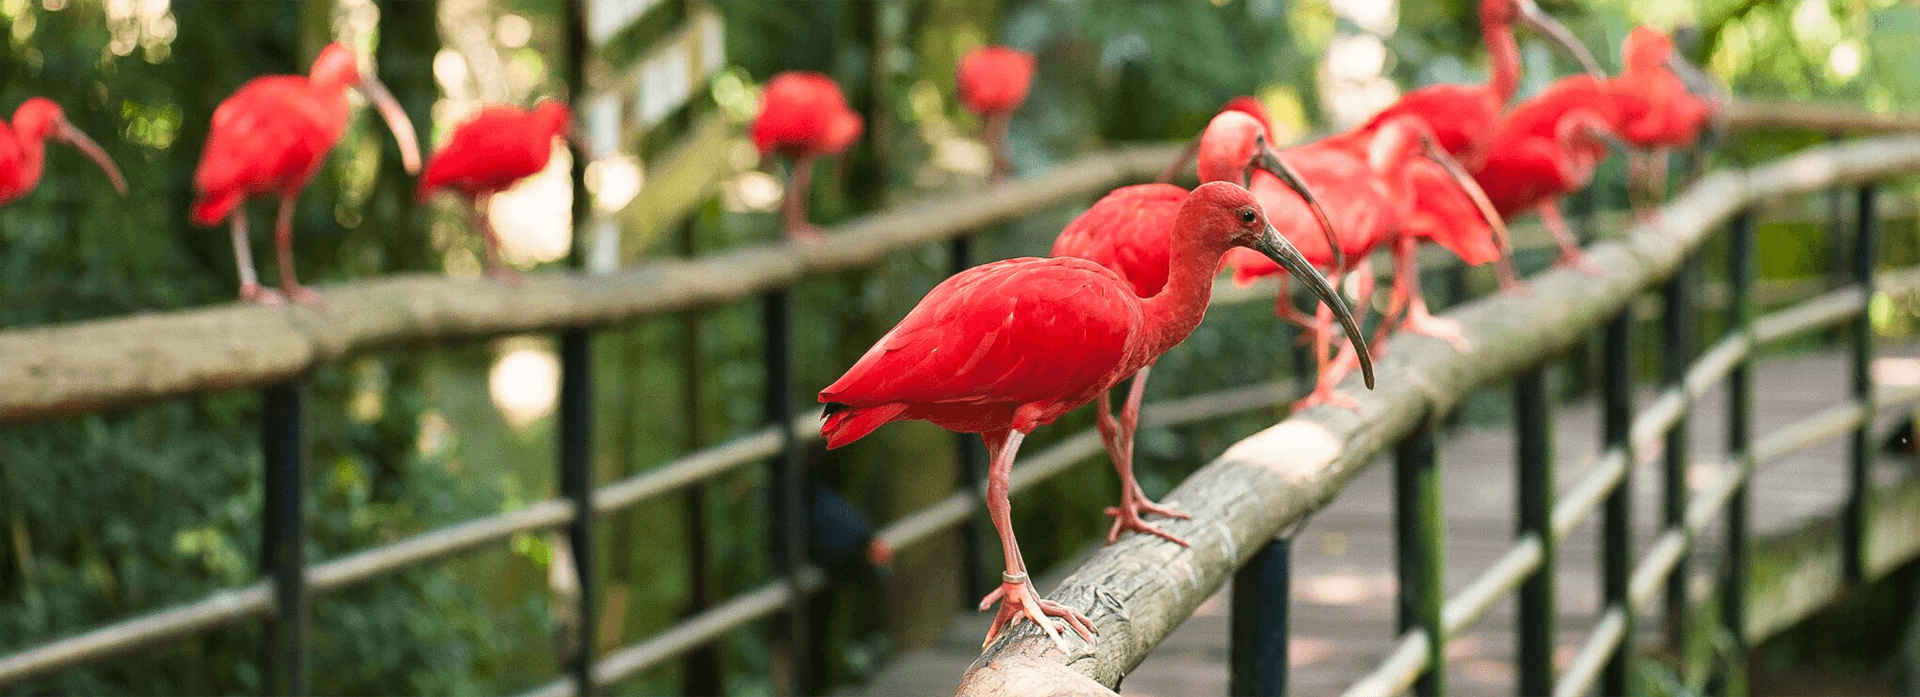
[[1229, 147], [336, 68], [554, 116], [1503, 13], [1645, 48], [40, 120], [1223, 215], [1251, 107], [994, 79]]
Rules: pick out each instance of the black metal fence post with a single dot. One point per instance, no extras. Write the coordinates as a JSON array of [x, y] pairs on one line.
[[1616, 524], [1261, 599], [576, 483], [1419, 541], [1534, 624], [1860, 445], [1733, 580], [1676, 353], [973, 475], [284, 537], [788, 505]]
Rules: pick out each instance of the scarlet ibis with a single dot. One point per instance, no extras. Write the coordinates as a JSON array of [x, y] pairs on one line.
[[1129, 231], [1657, 105], [1362, 176], [1003, 348], [802, 116], [1243, 104], [488, 154], [270, 137], [993, 82], [1547, 147], [23, 148]]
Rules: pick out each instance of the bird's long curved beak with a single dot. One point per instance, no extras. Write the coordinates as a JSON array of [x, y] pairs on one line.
[[72, 136], [1267, 158], [1607, 137], [1276, 247], [1458, 173], [1537, 18], [396, 119]]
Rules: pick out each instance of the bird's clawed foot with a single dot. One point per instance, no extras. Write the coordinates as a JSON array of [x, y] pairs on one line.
[[1127, 518], [1579, 261], [307, 297], [1443, 329], [806, 234], [261, 295], [506, 276], [1018, 599], [1325, 394]]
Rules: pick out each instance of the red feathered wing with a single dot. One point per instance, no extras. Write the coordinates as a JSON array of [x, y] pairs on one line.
[[1127, 231]]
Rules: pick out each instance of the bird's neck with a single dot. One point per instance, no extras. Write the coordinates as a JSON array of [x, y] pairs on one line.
[[1172, 314], [1503, 59]]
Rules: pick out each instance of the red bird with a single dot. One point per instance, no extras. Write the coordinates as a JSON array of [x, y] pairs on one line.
[[1364, 178], [1129, 231], [803, 116], [993, 82], [1658, 109], [489, 154], [1243, 104], [23, 148], [1548, 147], [1004, 348], [271, 137]]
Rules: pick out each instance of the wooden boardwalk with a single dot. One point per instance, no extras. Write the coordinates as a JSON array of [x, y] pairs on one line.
[[1343, 558]]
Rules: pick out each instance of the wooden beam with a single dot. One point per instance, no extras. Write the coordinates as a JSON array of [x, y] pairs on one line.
[[1138, 590], [1745, 115]]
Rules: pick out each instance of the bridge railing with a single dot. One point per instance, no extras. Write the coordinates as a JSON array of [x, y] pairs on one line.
[[1246, 502], [87, 367]]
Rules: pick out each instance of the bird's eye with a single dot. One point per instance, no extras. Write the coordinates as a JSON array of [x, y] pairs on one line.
[[1247, 216]]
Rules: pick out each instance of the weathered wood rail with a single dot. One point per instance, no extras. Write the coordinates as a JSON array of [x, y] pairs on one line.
[[1139, 590]]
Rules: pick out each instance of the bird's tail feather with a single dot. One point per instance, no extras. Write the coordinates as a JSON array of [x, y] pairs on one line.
[[847, 424], [211, 208]]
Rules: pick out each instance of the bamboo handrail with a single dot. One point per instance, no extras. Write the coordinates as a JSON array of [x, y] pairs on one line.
[[1138, 590]]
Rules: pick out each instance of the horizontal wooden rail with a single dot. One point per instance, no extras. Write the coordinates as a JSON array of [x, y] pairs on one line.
[[1137, 590], [1753, 115], [90, 366]]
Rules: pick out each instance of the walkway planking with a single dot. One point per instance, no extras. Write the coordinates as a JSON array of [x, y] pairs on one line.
[[1343, 559]]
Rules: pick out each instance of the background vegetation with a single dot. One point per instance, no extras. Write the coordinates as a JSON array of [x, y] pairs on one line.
[[111, 515]]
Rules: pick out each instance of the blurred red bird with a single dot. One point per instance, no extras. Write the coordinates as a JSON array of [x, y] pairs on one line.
[[1129, 231], [270, 138], [490, 153], [993, 82], [23, 148], [1006, 347], [1658, 108], [803, 116], [1548, 147]]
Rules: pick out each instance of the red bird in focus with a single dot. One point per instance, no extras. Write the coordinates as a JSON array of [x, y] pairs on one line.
[[803, 116], [1129, 231], [1007, 347], [271, 137], [993, 82], [23, 148], [488, 154]]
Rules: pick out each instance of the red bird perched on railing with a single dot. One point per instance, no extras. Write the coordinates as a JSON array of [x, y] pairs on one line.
[[23, 148], [1548, 147], [803, 116], [488, 154], [1006, 347], [1129, 231], [1663, 102], [1363, 178], [993, 82], [271, 137]]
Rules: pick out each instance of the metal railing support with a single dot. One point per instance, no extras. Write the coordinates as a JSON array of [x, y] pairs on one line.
[[1533, 462], [788, 533], [1676, 353], [1419, 545], [1860, 445], [1733, 579], [1261, 598], [1616, 522], [283, 538], [576, 484]]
